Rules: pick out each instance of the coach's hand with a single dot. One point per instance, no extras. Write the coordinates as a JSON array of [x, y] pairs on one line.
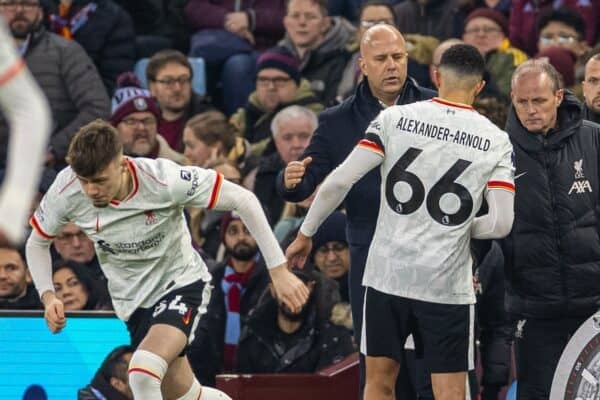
[[294, 172], [290, 290], [298, 251], [54, 312]]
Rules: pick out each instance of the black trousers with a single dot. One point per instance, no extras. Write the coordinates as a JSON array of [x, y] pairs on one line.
[[539, 343]]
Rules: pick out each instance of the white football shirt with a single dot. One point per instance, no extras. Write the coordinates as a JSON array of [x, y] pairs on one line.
[[143, 244], [439, 159]]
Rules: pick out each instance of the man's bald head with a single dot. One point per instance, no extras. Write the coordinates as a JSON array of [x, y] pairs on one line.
[[380, 33], [383, 61]]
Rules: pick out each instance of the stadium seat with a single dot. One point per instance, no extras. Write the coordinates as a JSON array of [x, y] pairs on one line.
[[198, 82]]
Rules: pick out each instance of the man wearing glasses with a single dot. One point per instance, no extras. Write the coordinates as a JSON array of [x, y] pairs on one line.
[[487, 30], [169, 75], [278, 85], [136, 115], [64, 71]]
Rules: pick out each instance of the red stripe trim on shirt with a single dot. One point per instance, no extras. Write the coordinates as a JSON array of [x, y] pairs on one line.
[[369, 145], [214, 196], [36, 225], [136, 183], [12, 71], [501, 185], [144, 371], [452, 104]]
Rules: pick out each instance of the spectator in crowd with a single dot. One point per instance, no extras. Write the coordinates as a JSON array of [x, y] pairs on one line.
[[259, 26], [562, 27], [110, 381], [102, 28], [319, 42], [65, 73], [159, 25], [169, 75], [16, 288], [487, 30], [292, 130], [77, 289], [274, 339], [72, 244], [238, 282], [438, 18], [552, 257], [208, 138], [136, 115], [564, 61], [591, 89], [383, 62], [330, 251], [278, 85], [372, 12], [525, 17]]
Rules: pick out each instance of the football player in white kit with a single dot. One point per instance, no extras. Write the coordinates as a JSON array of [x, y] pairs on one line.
[[437, 158], [26, 109], [132, 208]]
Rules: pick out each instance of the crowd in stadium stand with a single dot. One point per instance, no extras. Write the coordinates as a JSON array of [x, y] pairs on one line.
[[239, 86]]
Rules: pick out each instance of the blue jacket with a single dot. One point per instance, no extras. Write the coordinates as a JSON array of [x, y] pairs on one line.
[[340, 128]]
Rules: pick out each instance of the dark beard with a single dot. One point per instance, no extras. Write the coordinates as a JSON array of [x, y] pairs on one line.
[[24, 32], [243, 251]]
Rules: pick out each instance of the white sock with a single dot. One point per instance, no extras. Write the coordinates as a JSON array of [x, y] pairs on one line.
[[146, 372], [209, 393]]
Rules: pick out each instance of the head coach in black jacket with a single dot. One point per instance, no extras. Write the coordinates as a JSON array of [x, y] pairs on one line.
[[552, 256], [383, 63]]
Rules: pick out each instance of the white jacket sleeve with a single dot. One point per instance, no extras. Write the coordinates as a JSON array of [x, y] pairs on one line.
[[497, 223], [39, 261], [335, 187], [233, 197]]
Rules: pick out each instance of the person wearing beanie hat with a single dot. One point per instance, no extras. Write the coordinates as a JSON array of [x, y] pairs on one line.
[[135, 114], [278, 85], [563, 60], [487, 30], [281, 59], [331, 254]]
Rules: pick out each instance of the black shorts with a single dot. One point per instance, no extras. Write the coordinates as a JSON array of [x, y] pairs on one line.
[[182, 308], [443, 333]]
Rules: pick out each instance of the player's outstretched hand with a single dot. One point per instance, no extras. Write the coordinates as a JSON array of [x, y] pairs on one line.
[[294, 172], [54, 312], [298, 251], [289, 289]]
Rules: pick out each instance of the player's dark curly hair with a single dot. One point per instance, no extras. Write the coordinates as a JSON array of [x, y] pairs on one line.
[[95, 146], [464, 60]]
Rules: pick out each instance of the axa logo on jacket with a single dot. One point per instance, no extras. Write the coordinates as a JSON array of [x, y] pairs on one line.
[[580, 184]]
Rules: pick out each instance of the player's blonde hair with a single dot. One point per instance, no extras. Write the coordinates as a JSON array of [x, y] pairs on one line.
[[94, 146]]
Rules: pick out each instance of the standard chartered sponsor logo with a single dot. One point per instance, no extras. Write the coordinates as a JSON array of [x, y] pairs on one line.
[[136, 247]]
